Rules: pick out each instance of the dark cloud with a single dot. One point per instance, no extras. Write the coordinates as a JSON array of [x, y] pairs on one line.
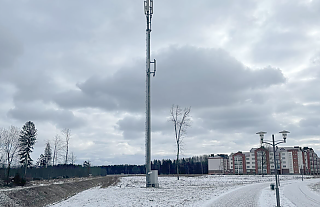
[[207, 77], [312, 122], [10, 48], [245, 118], [38, 112], [193, 76], [132, 127]]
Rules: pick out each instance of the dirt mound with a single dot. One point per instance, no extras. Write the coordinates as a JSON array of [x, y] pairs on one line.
[[43, 195]]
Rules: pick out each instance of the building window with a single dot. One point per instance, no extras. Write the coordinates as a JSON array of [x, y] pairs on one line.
[[253, 163], [284, 166], [247, 158], [252, 158], [248, 162]]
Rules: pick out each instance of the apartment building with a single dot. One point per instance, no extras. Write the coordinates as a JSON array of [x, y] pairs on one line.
[[289, 160], [218, 164]]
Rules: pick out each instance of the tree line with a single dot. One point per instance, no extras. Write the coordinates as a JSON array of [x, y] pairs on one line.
[[193, 165], [16, 146]]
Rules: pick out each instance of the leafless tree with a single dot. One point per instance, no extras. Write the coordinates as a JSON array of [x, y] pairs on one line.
[[57, 147], [67, 133], [181, 121], [73, 158], [10, 146]]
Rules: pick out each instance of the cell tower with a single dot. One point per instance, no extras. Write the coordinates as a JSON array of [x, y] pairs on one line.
[[148, 10]]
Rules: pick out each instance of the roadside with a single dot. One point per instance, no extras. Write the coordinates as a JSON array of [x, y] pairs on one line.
[[293, 193], [50, 192]]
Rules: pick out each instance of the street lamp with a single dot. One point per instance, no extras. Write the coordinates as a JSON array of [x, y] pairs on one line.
[[274, 144], [302, 171]]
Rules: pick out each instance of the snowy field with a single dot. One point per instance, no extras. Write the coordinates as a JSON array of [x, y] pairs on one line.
[[209, 190]]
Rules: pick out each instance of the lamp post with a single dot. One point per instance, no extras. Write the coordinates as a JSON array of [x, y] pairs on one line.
[[274, 144], [302, 171]]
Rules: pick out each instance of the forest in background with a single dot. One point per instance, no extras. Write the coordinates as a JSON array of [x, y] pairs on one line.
[[193, 165]]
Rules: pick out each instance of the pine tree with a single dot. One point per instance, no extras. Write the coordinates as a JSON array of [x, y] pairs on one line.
[[47, 154], [41, 161], [27, 139], [45, 159]]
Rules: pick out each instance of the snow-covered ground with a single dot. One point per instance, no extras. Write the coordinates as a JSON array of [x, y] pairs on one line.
[[209, 190]]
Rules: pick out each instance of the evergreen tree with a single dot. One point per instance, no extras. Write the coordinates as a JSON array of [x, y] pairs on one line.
[[45, 159], [48, 154], [27, 139], [41, 161]]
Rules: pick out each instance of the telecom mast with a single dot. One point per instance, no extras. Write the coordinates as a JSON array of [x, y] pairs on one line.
[[148, 10]]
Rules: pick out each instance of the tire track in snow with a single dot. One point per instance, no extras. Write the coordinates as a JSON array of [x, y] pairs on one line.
[[241, 197], [301, 195]]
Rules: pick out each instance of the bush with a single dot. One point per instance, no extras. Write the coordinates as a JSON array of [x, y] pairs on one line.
[[19, 181]]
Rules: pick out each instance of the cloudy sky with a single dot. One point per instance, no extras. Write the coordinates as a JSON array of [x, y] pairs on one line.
[[243, 67]]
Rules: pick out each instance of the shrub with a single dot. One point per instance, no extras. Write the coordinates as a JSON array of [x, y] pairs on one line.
[[19, 181]]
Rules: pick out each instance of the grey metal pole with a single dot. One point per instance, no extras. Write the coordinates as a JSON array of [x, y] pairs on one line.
[[275, 172], [262, 163], [148, 13]]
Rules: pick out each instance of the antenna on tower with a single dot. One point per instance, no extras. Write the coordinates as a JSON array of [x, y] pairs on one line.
[[154, 67]]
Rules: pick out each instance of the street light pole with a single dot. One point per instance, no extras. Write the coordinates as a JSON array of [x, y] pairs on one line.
[[274, 144], [276, 171]]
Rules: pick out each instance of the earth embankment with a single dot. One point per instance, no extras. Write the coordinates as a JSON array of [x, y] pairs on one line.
[[43, 194]]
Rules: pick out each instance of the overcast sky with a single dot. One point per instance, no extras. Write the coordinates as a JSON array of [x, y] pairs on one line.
[[243, 67]]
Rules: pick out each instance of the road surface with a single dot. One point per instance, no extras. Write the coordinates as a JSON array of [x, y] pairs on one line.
[[244, 196], [295, 193], [299, 194]]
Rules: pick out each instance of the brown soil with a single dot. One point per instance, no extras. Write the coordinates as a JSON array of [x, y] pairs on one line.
[[50, 193]]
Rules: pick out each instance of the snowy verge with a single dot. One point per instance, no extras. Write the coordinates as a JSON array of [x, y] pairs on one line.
[[188, 191]]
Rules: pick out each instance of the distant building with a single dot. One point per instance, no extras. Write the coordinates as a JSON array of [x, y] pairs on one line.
[[218, 164], [311, 161], [289, 160]]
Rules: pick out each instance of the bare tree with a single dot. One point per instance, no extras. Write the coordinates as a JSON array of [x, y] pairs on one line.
[[10, 146], [181, 121], [67, 133], [73, 158], [57, 147]]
